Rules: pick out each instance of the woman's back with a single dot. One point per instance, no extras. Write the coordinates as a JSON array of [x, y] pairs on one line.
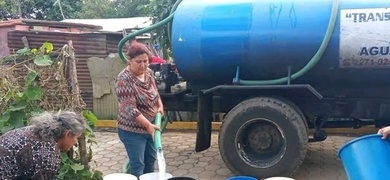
[[25, 155]]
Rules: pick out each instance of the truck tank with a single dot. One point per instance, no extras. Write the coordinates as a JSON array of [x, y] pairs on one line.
[[210, 39]]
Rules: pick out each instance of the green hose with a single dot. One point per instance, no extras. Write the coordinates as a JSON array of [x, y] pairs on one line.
[[311, 63], [160, 122], [314, 60], [174, 7], [164, 123], [147, 29], [157, 133]]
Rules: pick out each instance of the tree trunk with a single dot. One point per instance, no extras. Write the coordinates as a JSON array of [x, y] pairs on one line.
[[20, 9]]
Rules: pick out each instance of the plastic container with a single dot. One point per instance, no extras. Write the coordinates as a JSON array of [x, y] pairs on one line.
[[278, 178], [241, 178], [153, 176], [366, 157], [120, 176], [181, 178]]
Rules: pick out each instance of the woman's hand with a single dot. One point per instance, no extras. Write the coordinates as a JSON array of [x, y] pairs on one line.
[[151, 128], [161, 110], [385, 132]]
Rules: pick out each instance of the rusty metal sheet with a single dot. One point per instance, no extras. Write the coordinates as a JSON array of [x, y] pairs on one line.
[[86, 46], [89, 43], [112, 43]]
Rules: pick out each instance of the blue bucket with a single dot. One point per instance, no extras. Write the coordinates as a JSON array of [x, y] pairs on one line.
[[241, 178], [367, 157]]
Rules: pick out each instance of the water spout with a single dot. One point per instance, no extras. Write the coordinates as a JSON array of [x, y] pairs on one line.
[[161, 164]]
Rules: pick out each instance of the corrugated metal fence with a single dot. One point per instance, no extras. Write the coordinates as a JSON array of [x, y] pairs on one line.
[[86, 46]]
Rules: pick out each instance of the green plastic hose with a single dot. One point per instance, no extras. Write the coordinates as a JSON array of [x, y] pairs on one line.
[[312, 62], [160, 122], [157, 133], [147, 29], [164, 123], [174, 7]]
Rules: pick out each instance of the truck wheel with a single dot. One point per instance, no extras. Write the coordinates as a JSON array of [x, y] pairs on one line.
[[299, 111], [263, 137]]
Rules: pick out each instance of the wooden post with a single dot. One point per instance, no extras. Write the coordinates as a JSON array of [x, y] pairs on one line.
[[25, 42], [77, 100]]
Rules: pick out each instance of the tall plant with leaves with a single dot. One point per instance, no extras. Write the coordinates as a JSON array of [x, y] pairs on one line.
[[21, 100], [23, 104]]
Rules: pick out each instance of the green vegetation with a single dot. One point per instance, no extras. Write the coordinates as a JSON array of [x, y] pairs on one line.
[[32, 82]]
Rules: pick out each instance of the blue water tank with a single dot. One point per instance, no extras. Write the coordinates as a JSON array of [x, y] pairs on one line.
[[210, 38]]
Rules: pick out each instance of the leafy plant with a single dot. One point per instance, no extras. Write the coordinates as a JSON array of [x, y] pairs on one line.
[[89, 135], [73, 169], [19, 101], [22, 103]]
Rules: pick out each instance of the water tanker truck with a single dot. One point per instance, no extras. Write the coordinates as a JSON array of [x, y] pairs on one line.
[[278, 68]]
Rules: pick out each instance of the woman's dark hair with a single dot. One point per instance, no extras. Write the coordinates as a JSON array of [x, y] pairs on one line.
[[137, 49]]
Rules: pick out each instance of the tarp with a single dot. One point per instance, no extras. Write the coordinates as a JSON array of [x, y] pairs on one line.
[[103, 73]]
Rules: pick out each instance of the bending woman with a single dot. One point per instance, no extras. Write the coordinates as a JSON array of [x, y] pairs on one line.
[[33, 152]]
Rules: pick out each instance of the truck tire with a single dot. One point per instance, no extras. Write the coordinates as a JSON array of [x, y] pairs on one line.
[[298, 110], [263, 137]]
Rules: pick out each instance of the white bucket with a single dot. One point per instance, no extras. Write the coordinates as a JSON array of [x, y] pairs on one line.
[[120, 176], [278, 178], [154, 176]]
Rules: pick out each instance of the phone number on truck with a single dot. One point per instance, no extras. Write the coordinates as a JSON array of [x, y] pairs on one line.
[[365, 62]]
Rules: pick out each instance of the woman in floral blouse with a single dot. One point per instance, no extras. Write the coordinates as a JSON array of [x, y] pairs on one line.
[[139, 102], [33, 152]]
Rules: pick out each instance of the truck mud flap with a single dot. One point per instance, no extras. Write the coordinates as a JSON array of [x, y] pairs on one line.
[[205, 118]]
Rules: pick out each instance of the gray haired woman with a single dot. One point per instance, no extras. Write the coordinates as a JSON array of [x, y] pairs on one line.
[[33, 152]]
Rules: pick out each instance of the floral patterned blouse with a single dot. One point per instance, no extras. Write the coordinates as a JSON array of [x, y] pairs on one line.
[[25, 155], [135, 97]]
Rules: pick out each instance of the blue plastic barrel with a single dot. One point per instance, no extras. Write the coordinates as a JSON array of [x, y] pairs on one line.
[[367, 157], [241, 178]]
